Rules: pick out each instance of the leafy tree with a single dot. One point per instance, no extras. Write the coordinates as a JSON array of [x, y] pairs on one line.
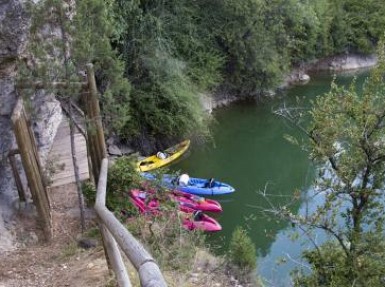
[[346, 130], [365, 19], [76, 37], [165, 102], [253, 63]]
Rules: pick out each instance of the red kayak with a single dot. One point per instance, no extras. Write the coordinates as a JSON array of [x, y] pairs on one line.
[[189, 201], [191, 219]]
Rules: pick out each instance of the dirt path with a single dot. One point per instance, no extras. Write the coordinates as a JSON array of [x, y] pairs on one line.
[[59, 263]]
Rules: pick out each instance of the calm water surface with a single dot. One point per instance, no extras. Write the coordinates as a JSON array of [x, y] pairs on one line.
[[250, 153]]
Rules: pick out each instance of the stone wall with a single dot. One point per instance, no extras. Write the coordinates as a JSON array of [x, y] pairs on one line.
[[14, 26], [13, 36]]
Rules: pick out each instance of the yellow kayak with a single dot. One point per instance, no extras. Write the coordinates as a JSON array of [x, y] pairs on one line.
[[162, 158]]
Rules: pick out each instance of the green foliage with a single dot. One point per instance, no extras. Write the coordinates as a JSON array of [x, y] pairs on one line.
[[347, 141], [122, 177], [63, 41], [333, 269], [93, 28], [170, 52], [173, 247], [242, 251], [165, 101], [89, 192]]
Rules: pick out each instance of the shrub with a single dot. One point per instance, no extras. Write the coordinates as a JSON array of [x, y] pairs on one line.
[[173, 247], [242, 251], [122, 176], [89, 192]]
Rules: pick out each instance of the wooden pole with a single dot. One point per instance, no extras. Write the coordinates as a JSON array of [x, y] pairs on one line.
[[16, 175], [31, 166], [95, 109], [113, 256]]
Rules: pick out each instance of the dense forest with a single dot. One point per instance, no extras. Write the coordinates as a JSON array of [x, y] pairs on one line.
[[172, 50], [154, 58]]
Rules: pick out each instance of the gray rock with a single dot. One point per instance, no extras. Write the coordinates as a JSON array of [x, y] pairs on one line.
[[8, 96], [13, 30], [14, 26], [13, 34], [126, 150], [114, 150], [47, 116], [111, 141], [87, 243], [304, 78]]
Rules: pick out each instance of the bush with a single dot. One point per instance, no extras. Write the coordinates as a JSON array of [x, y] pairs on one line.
[[242, 251], [89, 192], [173, 247], [122, 176]]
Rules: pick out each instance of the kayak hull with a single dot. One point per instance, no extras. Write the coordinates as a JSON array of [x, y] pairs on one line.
[[197, 186], [172, 153], [189, 221], [189, 201]]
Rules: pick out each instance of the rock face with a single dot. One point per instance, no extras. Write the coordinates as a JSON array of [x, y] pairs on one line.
[[13, 34], [14, 25], [344, 62], [47, 118]]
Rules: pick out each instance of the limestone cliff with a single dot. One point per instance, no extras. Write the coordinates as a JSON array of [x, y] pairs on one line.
[[14, 31]]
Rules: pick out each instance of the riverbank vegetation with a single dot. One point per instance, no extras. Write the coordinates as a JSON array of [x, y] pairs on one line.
[[177, 250], [176, 49], [346, 134], [155, 58]]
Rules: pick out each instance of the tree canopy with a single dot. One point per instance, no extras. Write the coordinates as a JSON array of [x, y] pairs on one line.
[[155, 58], [347, 141]]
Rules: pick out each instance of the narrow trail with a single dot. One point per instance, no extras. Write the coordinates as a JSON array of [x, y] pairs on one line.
[[60, 262]]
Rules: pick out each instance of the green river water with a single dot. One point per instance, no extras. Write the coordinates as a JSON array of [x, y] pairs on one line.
[[250, 153]]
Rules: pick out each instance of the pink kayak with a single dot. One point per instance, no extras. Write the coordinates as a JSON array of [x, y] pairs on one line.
[[191, 219], [190, 201]]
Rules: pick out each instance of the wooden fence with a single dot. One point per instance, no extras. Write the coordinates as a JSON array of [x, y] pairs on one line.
[[31, 162], [114, 234]]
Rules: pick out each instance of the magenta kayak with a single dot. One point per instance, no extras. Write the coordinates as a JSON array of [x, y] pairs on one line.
[[187, 200], [191, 219]]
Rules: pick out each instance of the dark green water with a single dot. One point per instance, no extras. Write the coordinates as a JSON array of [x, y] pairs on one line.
[[250, 153]]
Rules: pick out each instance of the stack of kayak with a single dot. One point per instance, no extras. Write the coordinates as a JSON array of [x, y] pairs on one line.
[[191, 209], [184, 190]]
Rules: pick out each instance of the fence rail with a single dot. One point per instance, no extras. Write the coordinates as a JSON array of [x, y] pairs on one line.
[[114, 234]]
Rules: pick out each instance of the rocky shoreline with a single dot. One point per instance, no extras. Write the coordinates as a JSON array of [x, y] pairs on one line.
[[300, 76]]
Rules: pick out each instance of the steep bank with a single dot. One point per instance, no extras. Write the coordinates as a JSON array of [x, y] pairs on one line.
[[299, 75], [331, 64]]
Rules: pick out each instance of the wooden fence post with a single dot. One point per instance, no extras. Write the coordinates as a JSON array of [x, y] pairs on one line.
[[16, 175], [31, 164], [95, 127]]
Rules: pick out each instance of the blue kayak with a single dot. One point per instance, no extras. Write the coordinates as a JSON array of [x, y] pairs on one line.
[[198, 186]]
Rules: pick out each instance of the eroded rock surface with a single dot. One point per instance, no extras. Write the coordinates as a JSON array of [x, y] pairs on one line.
[[14, 26]]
